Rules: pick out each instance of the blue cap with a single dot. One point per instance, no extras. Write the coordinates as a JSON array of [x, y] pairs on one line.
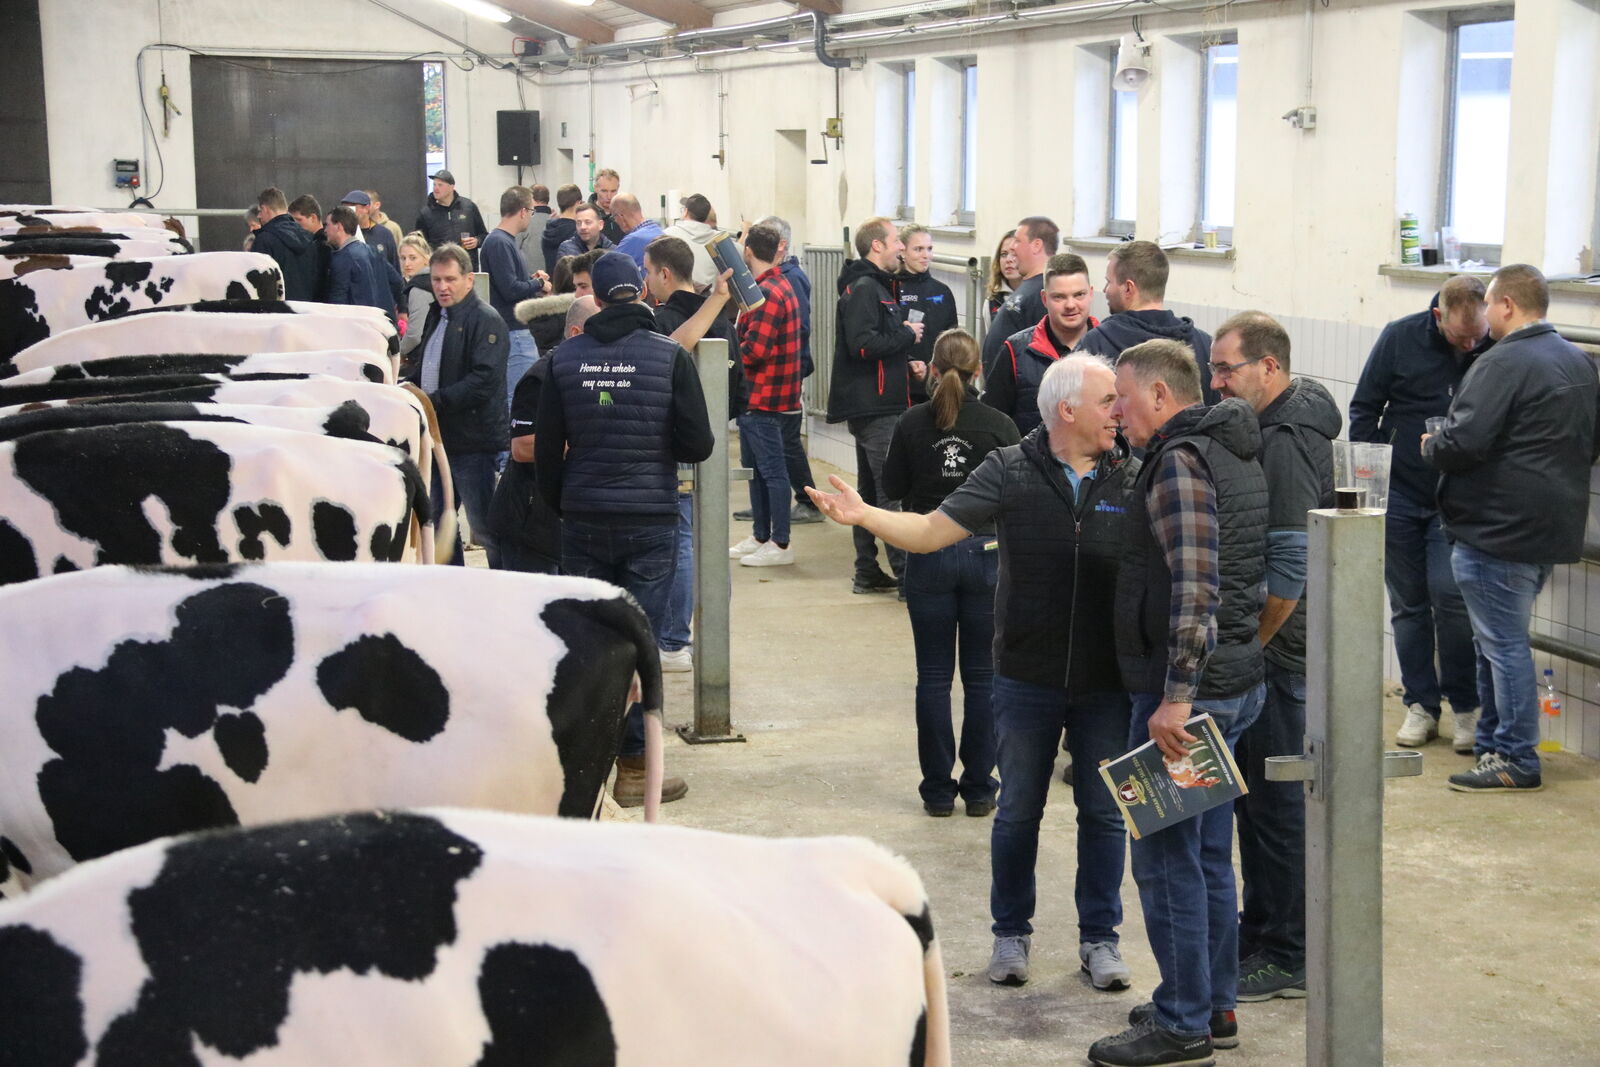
[[356, 196], [615, 278]]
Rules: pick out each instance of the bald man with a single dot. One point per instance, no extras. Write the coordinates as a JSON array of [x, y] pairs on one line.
[[639, 230]]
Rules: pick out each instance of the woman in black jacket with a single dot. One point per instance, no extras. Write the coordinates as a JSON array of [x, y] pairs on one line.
[[950, 593]]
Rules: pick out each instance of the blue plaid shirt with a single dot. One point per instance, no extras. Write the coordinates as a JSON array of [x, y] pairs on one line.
[[1182, 503]]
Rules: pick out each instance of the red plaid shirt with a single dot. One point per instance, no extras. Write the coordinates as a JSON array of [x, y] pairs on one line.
[[769, 344]]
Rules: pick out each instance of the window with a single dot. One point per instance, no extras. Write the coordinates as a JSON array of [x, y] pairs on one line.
[[433, 120], [908, 144], [967, 214], [1477, 130], [1124, 169], [1219, 136]]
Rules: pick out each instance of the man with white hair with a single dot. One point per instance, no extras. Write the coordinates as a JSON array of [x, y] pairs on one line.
[[1056, 502]]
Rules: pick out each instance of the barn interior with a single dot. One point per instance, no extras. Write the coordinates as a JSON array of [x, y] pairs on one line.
[[1283, 153]]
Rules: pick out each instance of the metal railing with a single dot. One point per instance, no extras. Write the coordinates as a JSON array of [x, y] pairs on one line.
[[822, 267]]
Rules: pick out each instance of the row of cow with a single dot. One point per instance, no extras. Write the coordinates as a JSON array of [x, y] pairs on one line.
[[198, 484]]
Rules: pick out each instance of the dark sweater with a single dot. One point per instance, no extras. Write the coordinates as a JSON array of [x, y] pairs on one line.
[[926, 464], [509, 280]]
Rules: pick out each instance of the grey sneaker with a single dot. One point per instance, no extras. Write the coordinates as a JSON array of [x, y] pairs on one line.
[[1008, 963], [1465, 741], [1418, 729], [1102, 962]]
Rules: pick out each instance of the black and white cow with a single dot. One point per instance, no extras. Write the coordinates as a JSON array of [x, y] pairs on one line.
[[14, 264], [27, 396], [202, 492], [45, 302], [140, 703], [218, 334], [349, 364], [21, 215], [89, 240], [459, 938]]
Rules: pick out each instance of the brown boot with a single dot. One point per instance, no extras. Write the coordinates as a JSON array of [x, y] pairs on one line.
[[628, 790]]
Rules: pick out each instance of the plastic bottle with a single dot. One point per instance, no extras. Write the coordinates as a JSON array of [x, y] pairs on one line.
[[1550, 708]]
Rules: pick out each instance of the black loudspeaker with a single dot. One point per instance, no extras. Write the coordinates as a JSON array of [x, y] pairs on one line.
[[518, 138]]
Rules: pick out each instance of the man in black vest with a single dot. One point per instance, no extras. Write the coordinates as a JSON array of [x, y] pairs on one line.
[[1012, 382], [623, 407], [1188, 610], [1056, 503], [871, 385], [1299, 420], [461, 365], [1515, 450]]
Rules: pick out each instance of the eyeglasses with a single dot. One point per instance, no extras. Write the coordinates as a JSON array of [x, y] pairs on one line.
[[1228, 370]]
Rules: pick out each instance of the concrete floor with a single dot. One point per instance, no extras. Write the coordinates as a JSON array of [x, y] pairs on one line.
[[1492, 932]]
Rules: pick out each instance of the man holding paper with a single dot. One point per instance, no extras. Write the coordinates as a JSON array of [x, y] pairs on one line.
[[1190, 591]]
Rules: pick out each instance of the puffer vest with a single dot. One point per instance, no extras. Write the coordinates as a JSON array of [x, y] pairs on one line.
[[1058, 568], [617, 399], [1144, 584]]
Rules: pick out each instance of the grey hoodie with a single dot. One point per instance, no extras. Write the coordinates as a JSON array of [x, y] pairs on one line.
[[698, 234]]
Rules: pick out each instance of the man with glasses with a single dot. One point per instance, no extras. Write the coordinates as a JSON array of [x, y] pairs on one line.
[[1298, 420], [1410, 377], [1136, 288]]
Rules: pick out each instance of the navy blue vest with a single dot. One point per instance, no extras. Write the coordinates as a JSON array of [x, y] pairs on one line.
[[617, 399]]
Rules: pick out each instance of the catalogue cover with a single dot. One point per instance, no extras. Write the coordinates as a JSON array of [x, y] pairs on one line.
[[1155, 791]]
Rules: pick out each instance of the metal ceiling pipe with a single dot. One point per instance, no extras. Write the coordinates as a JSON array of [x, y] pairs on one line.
[[819, 39]]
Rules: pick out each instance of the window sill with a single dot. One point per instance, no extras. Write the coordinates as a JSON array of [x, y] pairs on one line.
[[1219, 254], [953, 231], [1097, 244], [1576, 285], [1433, 274]]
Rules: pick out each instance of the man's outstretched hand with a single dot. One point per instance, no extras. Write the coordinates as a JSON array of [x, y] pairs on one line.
[[844, 507]]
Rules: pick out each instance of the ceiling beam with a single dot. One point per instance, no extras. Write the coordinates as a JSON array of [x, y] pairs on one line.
[[686, 14], [827, 7], [561, 18]]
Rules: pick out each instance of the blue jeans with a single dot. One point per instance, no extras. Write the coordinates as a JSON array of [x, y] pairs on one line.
[[1499, 596], [1427, 609], [761, 448], [640, 559], [1185, 877], [1028, 723], [680, 609], [473, 474], [950, 598], [1272, 827], [524, 354]]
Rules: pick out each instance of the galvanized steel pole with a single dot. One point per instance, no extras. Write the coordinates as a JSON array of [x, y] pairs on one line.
[[1344, 766]]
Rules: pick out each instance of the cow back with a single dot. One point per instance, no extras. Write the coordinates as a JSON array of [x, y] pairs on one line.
[[350, 365], [461, 938], [220, 334]]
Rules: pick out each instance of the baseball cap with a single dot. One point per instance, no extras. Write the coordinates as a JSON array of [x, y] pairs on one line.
[[615, 278], [444, 176], [356, 196]]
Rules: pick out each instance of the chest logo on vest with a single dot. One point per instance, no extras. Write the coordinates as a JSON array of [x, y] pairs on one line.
[[1104, 506], [491, 338]]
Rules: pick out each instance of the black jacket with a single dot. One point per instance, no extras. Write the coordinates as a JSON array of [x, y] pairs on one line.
[[574, 246], [518, 512], [1517, 448], [872, 347], [294, 250], [1297, 432], [608, 227], [679, 308], [546, 318], [1128, 328], [1023, 308], [796, 276], [926, 464], [556, 232], [1058, 562], [1410, 377], [925, 293], [471, 398], [445, 225], [358, 274], [381, 241], [1227, 439], [1012, 381]]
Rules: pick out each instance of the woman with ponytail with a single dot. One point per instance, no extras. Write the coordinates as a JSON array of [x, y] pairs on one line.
[[949, 593]]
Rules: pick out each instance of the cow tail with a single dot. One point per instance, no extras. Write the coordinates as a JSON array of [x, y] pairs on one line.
[[647, 670], [418, 507], [444, 535]]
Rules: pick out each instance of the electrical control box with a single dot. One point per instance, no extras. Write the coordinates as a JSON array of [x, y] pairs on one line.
[[125, 173]]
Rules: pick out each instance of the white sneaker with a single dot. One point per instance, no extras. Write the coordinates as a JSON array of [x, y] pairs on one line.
[[1418, 729], [677, 661], [744, 548], [1466, 739], [768, 555]]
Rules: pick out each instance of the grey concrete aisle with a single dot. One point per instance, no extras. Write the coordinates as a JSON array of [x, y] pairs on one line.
[[1493, 939]]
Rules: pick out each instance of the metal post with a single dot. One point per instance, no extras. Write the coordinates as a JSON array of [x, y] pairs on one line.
[[1344, 766], [711, 578]]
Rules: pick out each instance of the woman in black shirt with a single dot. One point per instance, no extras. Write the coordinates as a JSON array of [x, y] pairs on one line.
[[950, 593]]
